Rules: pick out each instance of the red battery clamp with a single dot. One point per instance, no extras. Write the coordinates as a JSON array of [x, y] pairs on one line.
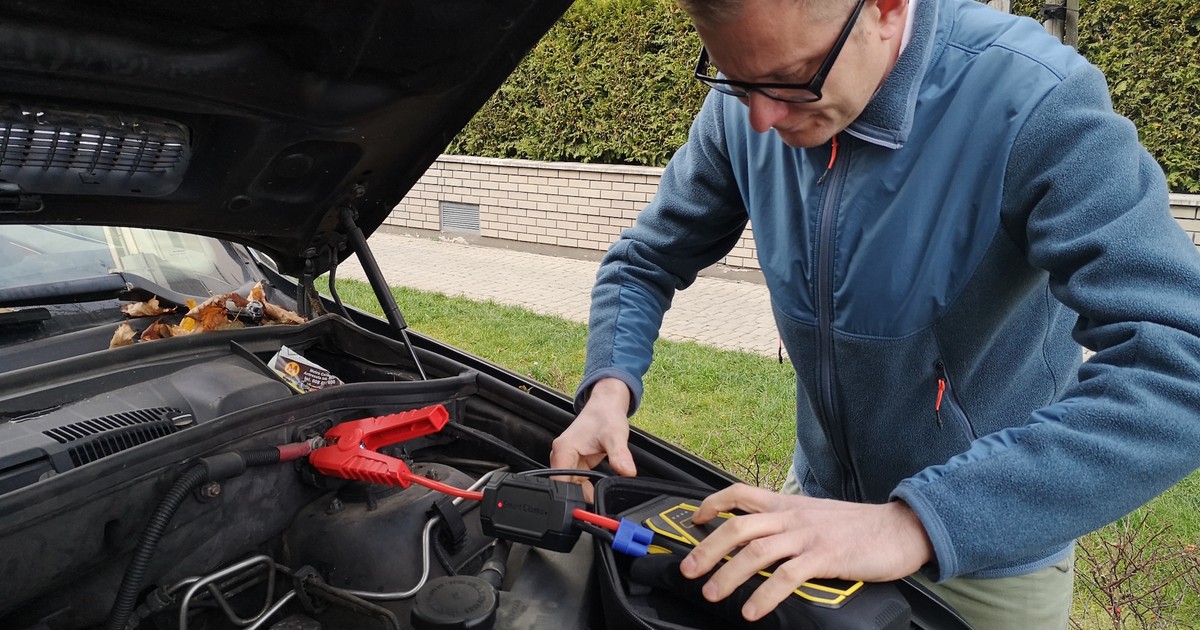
[[352, 454]]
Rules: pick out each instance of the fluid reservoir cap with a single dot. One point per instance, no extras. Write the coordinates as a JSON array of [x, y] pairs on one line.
[[455, 602]]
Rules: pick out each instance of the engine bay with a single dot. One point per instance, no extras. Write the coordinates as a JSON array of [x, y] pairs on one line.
[[186, 483], [87, 456]]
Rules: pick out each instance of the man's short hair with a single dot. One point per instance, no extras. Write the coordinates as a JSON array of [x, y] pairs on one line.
[[716, 12]]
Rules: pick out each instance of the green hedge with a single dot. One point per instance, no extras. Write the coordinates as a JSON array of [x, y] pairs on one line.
[[1150, 51], [611, 83]]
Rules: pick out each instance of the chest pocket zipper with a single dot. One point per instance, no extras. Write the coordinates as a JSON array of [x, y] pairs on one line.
[[946, 403]]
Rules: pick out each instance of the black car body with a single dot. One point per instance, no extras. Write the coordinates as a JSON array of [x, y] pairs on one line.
[[281, 133]]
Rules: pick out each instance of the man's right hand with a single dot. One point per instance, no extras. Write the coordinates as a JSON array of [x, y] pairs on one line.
[[600, 430]]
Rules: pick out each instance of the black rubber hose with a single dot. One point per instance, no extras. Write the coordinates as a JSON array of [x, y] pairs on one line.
[[314, 585], [222, 466], [135, 573], [337, 299], [515, 458], [261, 457], [496, 567]]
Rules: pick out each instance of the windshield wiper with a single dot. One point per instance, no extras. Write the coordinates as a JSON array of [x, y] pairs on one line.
[[119, 285], [23, 316]]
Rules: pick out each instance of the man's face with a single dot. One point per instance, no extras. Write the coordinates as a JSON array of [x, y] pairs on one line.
[[776, 41]]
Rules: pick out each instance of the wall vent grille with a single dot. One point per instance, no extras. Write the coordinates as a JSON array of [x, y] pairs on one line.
[[459, 217]]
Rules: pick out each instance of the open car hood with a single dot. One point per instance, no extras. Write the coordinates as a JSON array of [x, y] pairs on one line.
[[254, 121]]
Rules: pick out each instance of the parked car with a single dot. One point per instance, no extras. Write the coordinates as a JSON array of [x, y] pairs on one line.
[[191, 436]]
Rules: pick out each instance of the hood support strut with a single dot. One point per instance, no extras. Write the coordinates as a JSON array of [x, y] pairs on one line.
[[383, 292]]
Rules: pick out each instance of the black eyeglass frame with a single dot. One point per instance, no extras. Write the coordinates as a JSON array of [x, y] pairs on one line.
[[742, 89]]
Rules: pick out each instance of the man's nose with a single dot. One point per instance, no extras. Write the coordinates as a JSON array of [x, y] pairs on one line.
[[764, 111]]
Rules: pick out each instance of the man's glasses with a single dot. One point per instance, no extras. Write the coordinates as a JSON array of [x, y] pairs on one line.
[[786, 92]]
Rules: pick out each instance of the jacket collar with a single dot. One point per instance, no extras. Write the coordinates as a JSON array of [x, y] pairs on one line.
[[888, 118]]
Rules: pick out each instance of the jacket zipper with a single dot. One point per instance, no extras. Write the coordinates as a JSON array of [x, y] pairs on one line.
[[834, 429], [832, 158], [947, 399]]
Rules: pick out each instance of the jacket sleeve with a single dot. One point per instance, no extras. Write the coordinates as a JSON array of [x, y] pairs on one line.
[[694, 220], [1090, 206]]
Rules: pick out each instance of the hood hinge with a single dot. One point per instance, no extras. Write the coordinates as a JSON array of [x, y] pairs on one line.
[[308, 301], [12, 201]]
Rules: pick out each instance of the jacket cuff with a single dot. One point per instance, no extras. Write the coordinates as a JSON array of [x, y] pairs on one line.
[[945, 563], [634, 384]]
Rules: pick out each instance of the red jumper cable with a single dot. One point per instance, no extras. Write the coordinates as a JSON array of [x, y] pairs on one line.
[[352, 454]]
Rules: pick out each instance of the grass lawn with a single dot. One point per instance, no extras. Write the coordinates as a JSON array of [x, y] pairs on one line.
[[696, 396], [737, 409]]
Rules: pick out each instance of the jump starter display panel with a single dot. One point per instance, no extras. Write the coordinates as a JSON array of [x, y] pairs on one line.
[[649, 592], [672, 517]]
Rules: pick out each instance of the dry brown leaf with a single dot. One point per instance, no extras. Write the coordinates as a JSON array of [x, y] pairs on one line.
[[203, 317], [281, 315], [257, 294], [274, 312], [214, 299], [149, 308], [123, 336], [211, 317], [232, 325], [157, 330]]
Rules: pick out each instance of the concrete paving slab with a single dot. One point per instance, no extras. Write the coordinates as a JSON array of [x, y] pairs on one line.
[[726, 314]]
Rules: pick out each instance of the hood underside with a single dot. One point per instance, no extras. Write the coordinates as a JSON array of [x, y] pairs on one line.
[[252, 121]]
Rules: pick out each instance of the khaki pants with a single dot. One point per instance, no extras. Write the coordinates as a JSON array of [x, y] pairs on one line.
[[1041, 599]]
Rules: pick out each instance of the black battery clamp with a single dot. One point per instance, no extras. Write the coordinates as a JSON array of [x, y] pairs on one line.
[[532, 510]]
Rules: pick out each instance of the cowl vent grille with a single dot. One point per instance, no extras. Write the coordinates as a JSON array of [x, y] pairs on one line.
[[104, 436], [65, 152], [87, 150], [87, 428]]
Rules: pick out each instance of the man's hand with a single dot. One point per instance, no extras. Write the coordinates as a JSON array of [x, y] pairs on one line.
[[600, 430], [816, 538]]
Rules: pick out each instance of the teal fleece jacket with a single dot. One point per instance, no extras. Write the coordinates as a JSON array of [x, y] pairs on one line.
[[985, 215]]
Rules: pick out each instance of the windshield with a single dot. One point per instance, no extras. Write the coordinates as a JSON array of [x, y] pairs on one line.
[[185, 263]]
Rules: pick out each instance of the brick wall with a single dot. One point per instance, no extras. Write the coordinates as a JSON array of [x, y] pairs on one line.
[[582, 206], [1186, 209]]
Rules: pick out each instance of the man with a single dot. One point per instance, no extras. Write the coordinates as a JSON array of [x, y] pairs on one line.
[[940, 196]]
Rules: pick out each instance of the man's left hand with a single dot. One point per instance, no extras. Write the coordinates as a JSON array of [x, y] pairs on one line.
[[814, 538]]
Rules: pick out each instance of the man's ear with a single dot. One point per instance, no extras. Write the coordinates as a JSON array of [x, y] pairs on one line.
[[893, 14]]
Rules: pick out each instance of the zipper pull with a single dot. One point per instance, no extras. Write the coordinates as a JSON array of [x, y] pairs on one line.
[[832, 159], [941, 391], [937, 406]]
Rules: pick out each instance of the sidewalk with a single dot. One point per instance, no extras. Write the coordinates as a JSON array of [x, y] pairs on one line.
[[727, 314]]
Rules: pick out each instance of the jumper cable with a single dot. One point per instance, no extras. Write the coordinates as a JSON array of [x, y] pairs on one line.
[[351, 454]]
